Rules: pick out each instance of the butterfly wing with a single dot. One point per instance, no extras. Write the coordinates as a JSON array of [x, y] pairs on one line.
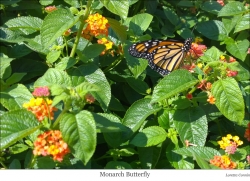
[[164, 55]]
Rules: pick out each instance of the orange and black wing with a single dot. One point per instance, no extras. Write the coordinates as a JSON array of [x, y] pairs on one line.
[[164, 55]]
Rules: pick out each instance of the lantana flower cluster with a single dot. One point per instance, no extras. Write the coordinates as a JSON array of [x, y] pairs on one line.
[[51, 143], [228, 143], [223, 162], [41, 106], [97, 25]]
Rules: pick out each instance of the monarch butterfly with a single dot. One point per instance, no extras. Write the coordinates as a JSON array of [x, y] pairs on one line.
[[164, 55]]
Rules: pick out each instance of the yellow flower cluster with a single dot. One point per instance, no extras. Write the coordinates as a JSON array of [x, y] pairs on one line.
[[107, 43], [229, 140], [41, 108], [223, 162]]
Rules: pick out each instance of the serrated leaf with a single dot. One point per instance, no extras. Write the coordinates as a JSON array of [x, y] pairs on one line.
[[117, 7], [15, 125], [25, 24], [212, 29], [10, 36], [149, 136], [15, 96], [136, 115], [117, 165], [44, 163], [238, 49], [55, 24], [53, 56], [19, 50], [94, 75], [149, 156], [79, 132], [54, 77], [140, 23], [111, 128], [206, 153], [138, 85], [243, 24], [66, 63], [191, 124], [171, 85], [232, 8], [94, 50], [178, 161], [229, 99]]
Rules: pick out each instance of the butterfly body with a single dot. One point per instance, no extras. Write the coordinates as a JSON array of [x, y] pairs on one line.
[[164, 56]]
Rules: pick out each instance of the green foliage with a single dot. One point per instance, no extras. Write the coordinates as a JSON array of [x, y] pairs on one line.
[[112, 110]]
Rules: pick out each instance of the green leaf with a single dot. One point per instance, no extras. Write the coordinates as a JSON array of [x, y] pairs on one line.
[[211, 54], [206, 153], [15, 125], [54, 77], [178, 161], [18, 148], [94, 75], [212, 29], [15, 78], [211, 7], [149, 136], [238, 49], [19, 50], [136, 115], [15, 96], [138, 85], [5, 69], [52, 28], [52, 56], [243, 23], [232, 8], [140, 23], [111, 127], [171, 15], [66, 63], [79, 132], [174, 83], [94, 50], [117, 7], [116, 165], [230, 22], [202, 163], [26, 24], [10, 36], [149, 156], [119, 29], [229, 99], [15, 164], [191, 124], [44, 163]]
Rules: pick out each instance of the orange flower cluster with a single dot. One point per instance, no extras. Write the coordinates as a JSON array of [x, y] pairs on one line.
[[221, 2], [97, 25], [247, 133], [51, 143], [206, 86], [223, 162], [41, 108]]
